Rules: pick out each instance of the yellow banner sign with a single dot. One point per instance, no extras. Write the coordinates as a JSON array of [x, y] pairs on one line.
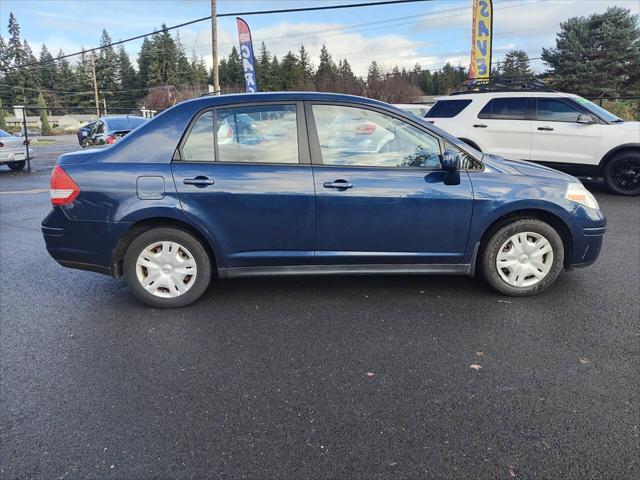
[[480, 68]]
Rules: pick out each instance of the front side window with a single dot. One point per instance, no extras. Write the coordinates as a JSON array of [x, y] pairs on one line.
[[447, 108], [198, 147], [260, 134], [359, 137], [551, 110], [506, 109]]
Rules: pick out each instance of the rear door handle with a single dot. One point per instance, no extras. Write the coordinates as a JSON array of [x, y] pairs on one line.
[[338, 184], [479, 125], [546, 129], [199, 181]]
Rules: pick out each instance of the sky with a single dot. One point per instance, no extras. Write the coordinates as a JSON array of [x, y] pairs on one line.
[[430, 33]]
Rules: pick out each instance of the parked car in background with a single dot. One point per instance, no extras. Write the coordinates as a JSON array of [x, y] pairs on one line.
[[31, 132], [560, 130], [418, 109], [171, 206], [13, 151], [108, 130], [83, 133]]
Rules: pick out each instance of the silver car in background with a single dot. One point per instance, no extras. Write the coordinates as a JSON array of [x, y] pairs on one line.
[[13, 151]]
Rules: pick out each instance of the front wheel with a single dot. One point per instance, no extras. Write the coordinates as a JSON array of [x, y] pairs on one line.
[[17, 166], [523, 258], [622, 174], [167, 267]]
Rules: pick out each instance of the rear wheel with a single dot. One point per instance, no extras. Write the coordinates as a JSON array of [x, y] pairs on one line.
[[622, 174], [17, 166], [167, 268], [523, 258]]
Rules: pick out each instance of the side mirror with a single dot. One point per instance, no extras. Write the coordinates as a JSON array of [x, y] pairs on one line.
[[585, 119], [451, 166], [450, 161]]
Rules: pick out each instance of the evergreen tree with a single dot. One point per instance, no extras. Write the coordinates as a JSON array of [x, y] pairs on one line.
[[263, 69], [14, 46], [163, 61], [596, 55], [144, 60], [126, 80], [3, 122], [106, 66], [327, 71], [305, 68], [291, 76], [516, 65], [45, 128]]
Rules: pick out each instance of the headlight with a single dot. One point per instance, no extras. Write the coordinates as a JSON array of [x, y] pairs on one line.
[[577, 193]]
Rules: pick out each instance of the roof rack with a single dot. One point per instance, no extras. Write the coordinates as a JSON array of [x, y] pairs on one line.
[[503, 85]]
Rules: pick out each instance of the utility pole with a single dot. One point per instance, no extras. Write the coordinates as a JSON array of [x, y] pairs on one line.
[[104, 104], [214, 47], [95, 85]]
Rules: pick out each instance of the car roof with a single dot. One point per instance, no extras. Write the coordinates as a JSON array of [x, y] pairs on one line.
[[212, 100], [509, 94]]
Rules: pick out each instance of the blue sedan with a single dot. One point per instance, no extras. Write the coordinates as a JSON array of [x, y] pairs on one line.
[[320, 184]]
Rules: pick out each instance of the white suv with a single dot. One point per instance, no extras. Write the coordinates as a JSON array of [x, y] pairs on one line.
[[560, 130]]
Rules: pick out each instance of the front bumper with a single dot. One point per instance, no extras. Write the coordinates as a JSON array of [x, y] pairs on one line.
[[588, 228]]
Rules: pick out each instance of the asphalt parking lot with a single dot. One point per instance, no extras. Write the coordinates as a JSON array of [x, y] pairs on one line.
[[346, 377]]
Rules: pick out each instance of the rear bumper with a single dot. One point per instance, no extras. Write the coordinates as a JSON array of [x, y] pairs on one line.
[[84, 245]]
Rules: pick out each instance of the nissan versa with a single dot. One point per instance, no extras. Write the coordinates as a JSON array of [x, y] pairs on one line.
[[310, 183]]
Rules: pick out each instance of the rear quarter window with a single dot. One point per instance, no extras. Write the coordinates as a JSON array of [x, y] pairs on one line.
[[447, 108]]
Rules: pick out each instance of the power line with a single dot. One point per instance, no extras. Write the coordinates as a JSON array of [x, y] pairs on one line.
[[230, 14]]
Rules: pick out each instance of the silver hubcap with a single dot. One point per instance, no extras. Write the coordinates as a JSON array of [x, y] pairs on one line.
[[524, 259], [166, 269]]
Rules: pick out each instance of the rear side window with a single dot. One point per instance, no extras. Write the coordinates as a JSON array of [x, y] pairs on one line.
[[199, 144], [261, 134], [506, 109], [447, 108]]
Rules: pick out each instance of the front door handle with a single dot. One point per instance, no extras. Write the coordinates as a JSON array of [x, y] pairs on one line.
[[479, 125], [338, 184], [199, 181], [546, 129]]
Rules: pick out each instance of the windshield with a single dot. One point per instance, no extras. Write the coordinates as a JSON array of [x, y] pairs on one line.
[[4, 134], [606, 115]]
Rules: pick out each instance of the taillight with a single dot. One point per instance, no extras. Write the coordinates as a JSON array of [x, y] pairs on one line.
[[110, 139], [366, 129], [229, 133], [63, 189]]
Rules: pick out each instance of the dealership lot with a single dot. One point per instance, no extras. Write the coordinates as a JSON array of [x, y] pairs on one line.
[[369, 377]]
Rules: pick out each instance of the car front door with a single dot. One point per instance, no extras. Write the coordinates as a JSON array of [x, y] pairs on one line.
[[381, 196], [503, 127], [559, 138], [250, 189]]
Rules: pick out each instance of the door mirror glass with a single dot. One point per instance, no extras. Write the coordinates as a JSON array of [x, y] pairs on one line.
[[450, 161], [585, 118]]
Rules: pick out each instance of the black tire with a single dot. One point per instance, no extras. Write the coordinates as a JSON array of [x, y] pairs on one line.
[[495, 242], [622, 173], [169, 234], [17, 166]]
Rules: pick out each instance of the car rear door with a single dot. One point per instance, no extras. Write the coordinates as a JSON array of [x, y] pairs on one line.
[[250, 189], [559, 138], [380, 191], [503, 127]]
